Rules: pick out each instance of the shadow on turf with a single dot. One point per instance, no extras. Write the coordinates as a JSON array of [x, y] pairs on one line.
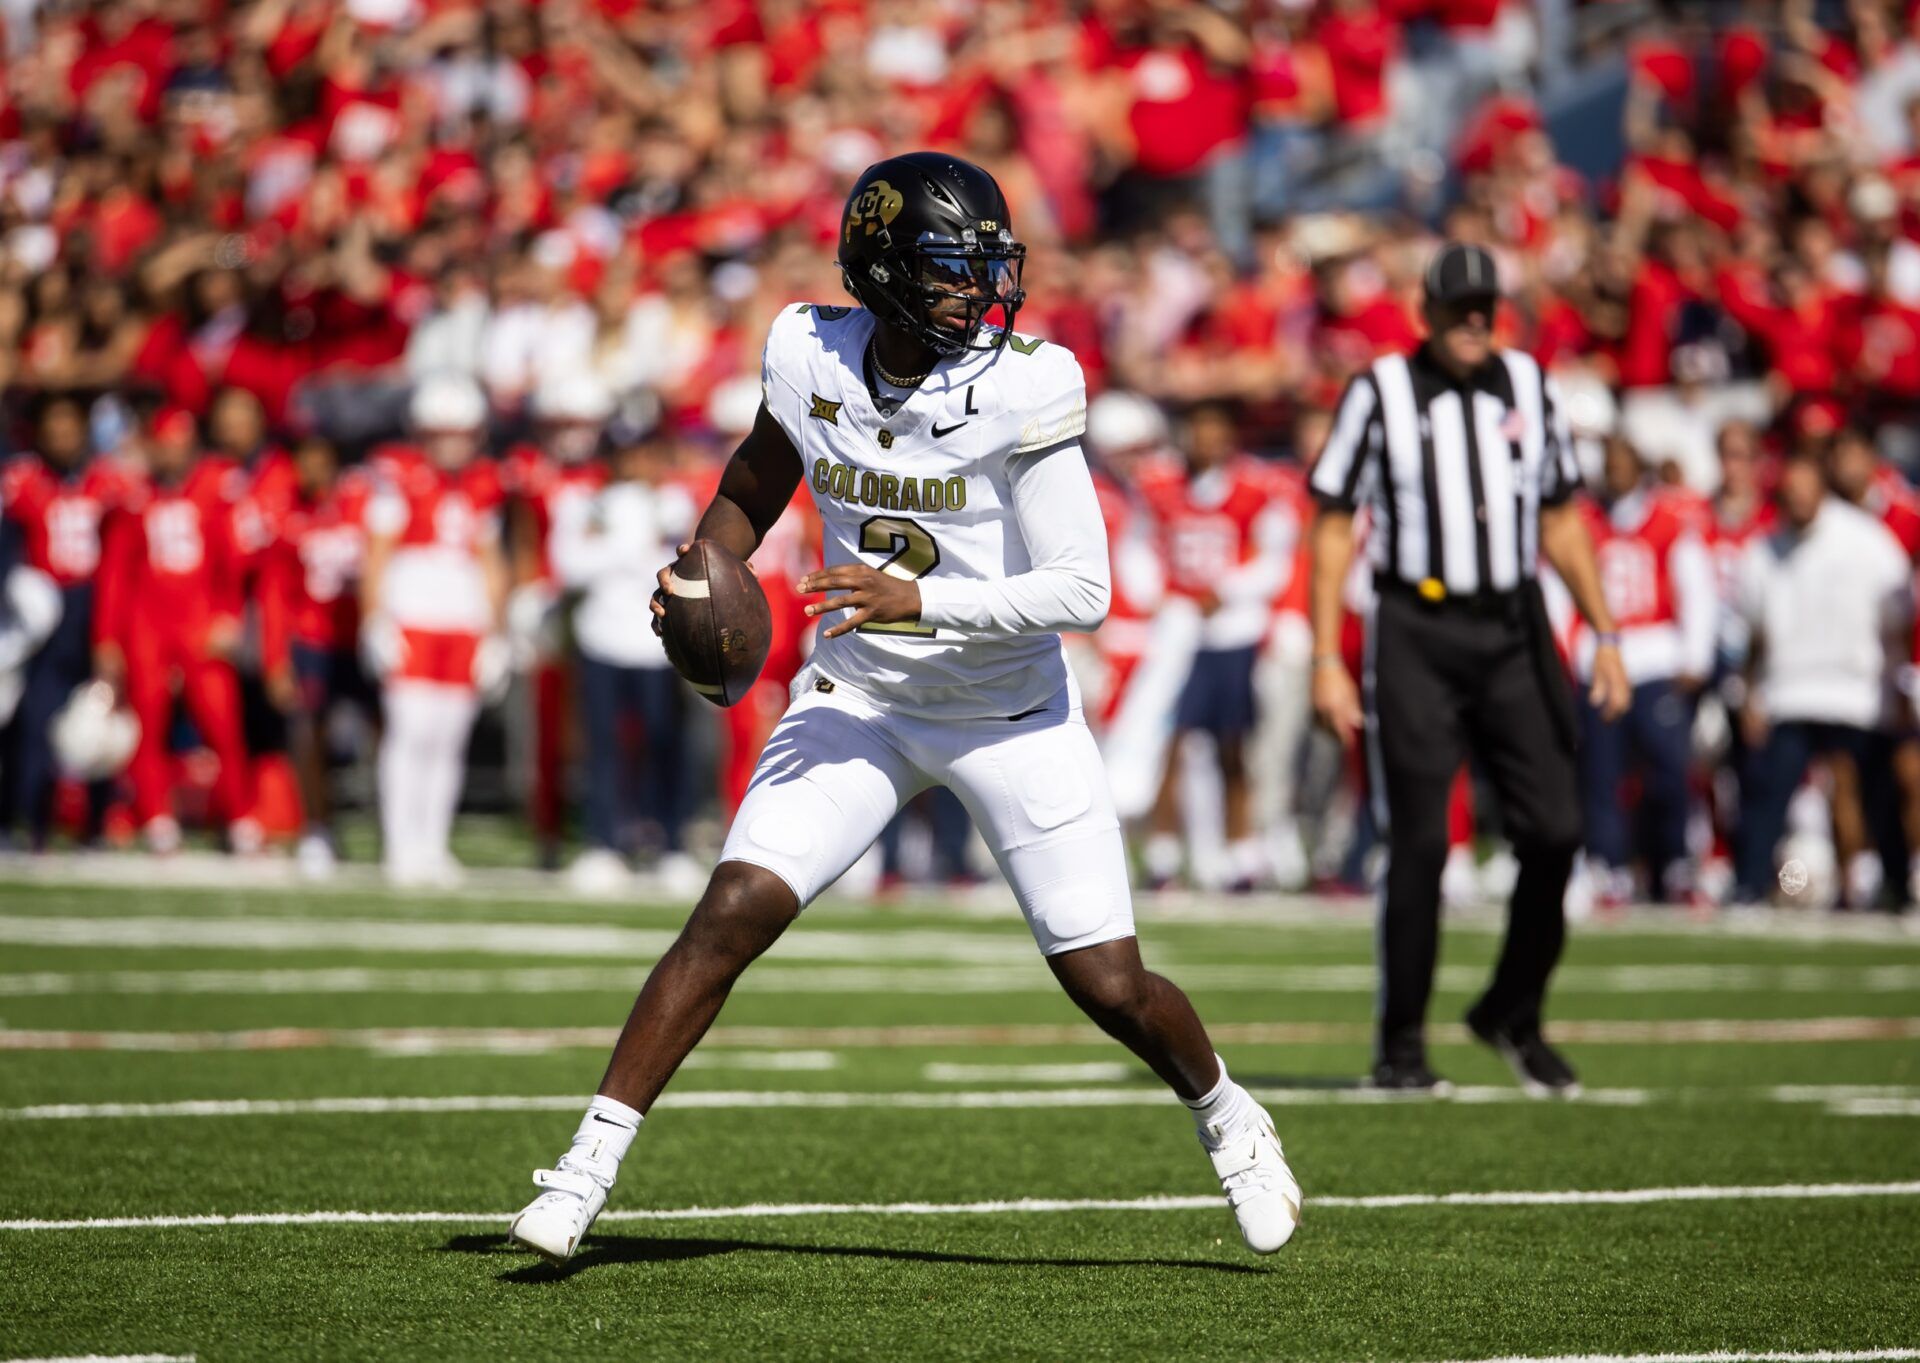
[[641, 1249]]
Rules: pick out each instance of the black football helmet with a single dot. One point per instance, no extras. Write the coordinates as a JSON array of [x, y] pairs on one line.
[[926, 247]]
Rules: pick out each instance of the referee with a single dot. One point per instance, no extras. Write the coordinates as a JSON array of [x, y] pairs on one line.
[[1460, 457]]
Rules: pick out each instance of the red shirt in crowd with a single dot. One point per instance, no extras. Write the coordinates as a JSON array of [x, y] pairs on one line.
[[1183, 109], [1358, 48]]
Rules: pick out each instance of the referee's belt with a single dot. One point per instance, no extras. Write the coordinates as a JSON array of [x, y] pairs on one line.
[[1431, 594]]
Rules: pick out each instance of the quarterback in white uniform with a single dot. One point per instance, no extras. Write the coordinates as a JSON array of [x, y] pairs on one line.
[[962, 534]]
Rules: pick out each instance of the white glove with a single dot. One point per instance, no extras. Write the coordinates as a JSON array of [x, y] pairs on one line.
[[383, 648], [492, 668]]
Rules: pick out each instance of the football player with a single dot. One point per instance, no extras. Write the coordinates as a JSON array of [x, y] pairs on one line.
[[167, 613], [308, 596], [962, 534], [432, 587]]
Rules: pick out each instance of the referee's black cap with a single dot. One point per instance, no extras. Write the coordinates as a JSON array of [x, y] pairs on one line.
[[1461, 272]]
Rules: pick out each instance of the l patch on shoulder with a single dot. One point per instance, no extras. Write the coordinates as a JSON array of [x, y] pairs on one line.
[[824, 311], [823, 410]]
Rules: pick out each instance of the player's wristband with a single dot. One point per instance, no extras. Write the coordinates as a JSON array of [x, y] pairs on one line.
[[1606, 638], [1328, 660]]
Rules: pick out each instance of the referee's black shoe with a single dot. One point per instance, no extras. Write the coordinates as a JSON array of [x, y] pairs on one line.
[[1409, 1074], [1542, 1071]]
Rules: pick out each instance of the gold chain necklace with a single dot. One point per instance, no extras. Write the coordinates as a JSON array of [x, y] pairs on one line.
[[873, 352]]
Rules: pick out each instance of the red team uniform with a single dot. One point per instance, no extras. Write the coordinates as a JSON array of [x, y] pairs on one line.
[[1123, 638], [170, 595], [541, 483], [309, 587], [59, 516], [435, 590]]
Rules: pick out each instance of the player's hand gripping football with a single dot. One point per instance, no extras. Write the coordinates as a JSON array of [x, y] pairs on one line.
[[661, 592], [873, 597]]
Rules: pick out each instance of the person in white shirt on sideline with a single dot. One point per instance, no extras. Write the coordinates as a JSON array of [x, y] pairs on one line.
[[1829, 599], [608, 548]]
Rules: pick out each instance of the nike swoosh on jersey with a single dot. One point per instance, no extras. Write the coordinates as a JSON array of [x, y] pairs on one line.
[[939, 430]]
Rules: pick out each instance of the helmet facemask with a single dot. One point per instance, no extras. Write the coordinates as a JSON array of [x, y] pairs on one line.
[[942, 291]]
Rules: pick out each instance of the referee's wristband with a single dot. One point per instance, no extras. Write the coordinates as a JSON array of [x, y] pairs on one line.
[[1606, 638]]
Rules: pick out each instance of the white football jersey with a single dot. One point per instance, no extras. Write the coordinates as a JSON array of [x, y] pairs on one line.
[[924, 494]]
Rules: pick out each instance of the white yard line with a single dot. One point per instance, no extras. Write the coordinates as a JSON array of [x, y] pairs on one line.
[[1841, 1099], [596, 940], [1093, 1072], [1279, 981], [1261, 912], [1723, 1356], [1613, 1197], [532, 1040], [1846, 1100]]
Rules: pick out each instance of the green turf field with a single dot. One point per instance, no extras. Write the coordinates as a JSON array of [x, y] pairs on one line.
[[900, 1144]]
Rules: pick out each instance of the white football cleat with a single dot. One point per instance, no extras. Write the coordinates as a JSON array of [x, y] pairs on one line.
[[553, 1223], [1260, 1188]]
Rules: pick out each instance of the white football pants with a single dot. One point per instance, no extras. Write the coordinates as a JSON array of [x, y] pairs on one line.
[[838, 767], [423, 754]]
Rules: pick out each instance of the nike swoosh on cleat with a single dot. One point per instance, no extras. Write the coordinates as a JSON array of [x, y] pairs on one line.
[[939, 430]]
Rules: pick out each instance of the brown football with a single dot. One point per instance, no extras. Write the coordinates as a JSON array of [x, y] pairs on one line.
[[718, 627]]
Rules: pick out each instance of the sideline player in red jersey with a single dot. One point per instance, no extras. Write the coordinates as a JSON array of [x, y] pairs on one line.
[[1227, 541], [1659, 584], [308, 590], [557, 467], [54, 500], [432, 592], [168, 623]]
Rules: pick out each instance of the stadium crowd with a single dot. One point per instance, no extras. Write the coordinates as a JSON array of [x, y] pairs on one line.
[[363, 360]]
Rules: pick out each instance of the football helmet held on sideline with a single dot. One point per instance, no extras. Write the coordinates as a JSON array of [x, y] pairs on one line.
[[926, 246], [93, 736]]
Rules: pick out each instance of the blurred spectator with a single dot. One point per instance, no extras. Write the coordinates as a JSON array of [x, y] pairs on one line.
[[1659, 584], [1829, 600], [608, 548], [1228, 536]]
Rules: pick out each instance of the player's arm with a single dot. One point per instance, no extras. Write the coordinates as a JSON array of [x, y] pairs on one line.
[[754, 490], [1067, 587]]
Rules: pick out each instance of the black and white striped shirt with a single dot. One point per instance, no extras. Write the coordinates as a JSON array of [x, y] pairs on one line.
[[1454, 502]]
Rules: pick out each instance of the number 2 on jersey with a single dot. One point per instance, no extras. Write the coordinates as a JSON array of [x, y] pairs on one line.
[[913, 555]]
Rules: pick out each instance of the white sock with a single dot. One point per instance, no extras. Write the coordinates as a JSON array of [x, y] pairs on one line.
[[1164, 855], [1249, 859], [1221, 1109], [604, 1135]]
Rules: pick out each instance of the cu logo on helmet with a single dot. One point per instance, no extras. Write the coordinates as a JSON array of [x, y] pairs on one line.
[[873, 208]]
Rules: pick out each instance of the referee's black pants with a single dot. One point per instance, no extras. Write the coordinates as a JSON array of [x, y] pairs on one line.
[[1445, 679]]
